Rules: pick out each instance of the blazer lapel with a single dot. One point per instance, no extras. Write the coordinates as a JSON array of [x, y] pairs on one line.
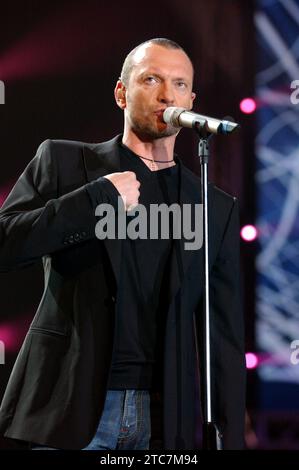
[[189, 193], [100, 160]]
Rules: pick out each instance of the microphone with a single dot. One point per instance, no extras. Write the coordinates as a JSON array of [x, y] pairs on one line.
[[180, 117]]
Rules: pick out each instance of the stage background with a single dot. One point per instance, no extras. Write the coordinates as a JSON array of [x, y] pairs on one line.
[[277, 196], [59, 62]]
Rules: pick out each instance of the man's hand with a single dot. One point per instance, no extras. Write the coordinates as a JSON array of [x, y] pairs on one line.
[[128, 186]]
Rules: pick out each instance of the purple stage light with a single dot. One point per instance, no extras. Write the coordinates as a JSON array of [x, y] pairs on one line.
[[251, 360], [248, 233]]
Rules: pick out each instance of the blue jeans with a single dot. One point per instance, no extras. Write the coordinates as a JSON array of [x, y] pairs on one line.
[[125, 423]]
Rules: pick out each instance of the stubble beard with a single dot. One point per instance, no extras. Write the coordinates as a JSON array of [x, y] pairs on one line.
[[149, 131]]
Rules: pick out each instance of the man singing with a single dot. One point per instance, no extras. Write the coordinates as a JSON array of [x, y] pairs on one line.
[[117, 335]]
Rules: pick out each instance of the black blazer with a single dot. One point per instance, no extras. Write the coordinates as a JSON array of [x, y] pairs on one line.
[[57, 388]]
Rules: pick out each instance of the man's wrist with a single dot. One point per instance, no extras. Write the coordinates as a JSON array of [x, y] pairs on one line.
[[101, 191]]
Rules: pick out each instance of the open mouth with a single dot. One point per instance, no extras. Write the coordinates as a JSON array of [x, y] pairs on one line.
[[159, 113]]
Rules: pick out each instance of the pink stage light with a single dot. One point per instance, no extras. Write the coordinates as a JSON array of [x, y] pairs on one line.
[[12, 333], [4, 191], [62, 43], [248, 233], [9, 335], [248, 105], [251, 360]]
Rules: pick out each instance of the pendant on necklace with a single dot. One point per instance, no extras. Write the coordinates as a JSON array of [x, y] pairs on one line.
[[153, 165]]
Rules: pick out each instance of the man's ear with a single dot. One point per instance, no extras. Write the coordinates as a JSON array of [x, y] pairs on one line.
[[193, 96], [120, 94]]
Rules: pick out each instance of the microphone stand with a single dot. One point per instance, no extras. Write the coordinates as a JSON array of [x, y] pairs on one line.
[[211, 435]]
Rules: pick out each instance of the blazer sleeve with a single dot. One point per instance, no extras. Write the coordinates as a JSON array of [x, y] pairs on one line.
[[35, 222]]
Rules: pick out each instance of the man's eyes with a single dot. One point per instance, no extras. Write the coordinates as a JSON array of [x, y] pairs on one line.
[[151, 79], [181, 85]]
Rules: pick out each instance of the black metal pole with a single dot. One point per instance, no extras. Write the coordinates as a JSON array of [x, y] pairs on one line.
[[211, 436]]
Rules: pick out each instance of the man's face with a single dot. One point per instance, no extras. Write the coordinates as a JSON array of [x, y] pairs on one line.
[[160, 78]]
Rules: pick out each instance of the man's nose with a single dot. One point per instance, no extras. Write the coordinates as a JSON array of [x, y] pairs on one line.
[[166, 94]]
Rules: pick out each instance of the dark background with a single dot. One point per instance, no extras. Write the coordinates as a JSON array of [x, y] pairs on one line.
[[60, 61]]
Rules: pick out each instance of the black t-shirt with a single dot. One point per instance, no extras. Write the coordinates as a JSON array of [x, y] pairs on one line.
[[141, 304]]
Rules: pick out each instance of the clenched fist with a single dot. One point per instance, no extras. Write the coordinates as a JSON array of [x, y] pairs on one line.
[[128, 186]]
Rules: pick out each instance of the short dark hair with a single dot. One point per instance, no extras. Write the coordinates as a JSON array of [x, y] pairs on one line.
[[128, 64]]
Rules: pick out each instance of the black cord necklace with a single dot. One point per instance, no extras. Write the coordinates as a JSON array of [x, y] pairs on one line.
[[156, 161]]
